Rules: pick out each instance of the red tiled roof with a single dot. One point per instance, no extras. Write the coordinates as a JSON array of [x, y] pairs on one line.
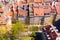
[[47, 9], [1, 10], [37, 0], [20, 4], [9, 13], [22, 12], [35, 11], [30, 0], [38, 11], [36, 4], [41, 12], [24, 1]]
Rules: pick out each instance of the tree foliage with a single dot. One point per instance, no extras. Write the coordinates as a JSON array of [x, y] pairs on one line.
[[34, 28], [17, 28], [12, 34]]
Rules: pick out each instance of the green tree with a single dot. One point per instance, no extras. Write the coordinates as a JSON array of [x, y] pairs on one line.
[[34, 28], [17, 28]]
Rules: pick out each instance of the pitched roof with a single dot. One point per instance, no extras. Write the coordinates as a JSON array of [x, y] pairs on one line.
[[20, 4], [38, 12], [41, 12], [37, 0], [22, 12], [36, 4], [9, 13], [47, 9], [1, 10]]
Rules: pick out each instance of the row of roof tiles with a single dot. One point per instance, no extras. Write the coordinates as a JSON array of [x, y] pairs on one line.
[[37, 10], [30, 0]]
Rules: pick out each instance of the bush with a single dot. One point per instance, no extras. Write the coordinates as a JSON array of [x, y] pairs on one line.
[[17, 29], [12, 34], [4, 36], [34, 28], [26, 38]]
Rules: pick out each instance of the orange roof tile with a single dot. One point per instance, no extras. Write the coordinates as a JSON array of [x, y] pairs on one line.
[[22, 12], [35, 11], [20, 4], [9, 13], [41, 4], [36, 4], [47, 0], [24, 1], [47, 9], [30, 0], [39, 13], [37, 0], [1, 10]]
